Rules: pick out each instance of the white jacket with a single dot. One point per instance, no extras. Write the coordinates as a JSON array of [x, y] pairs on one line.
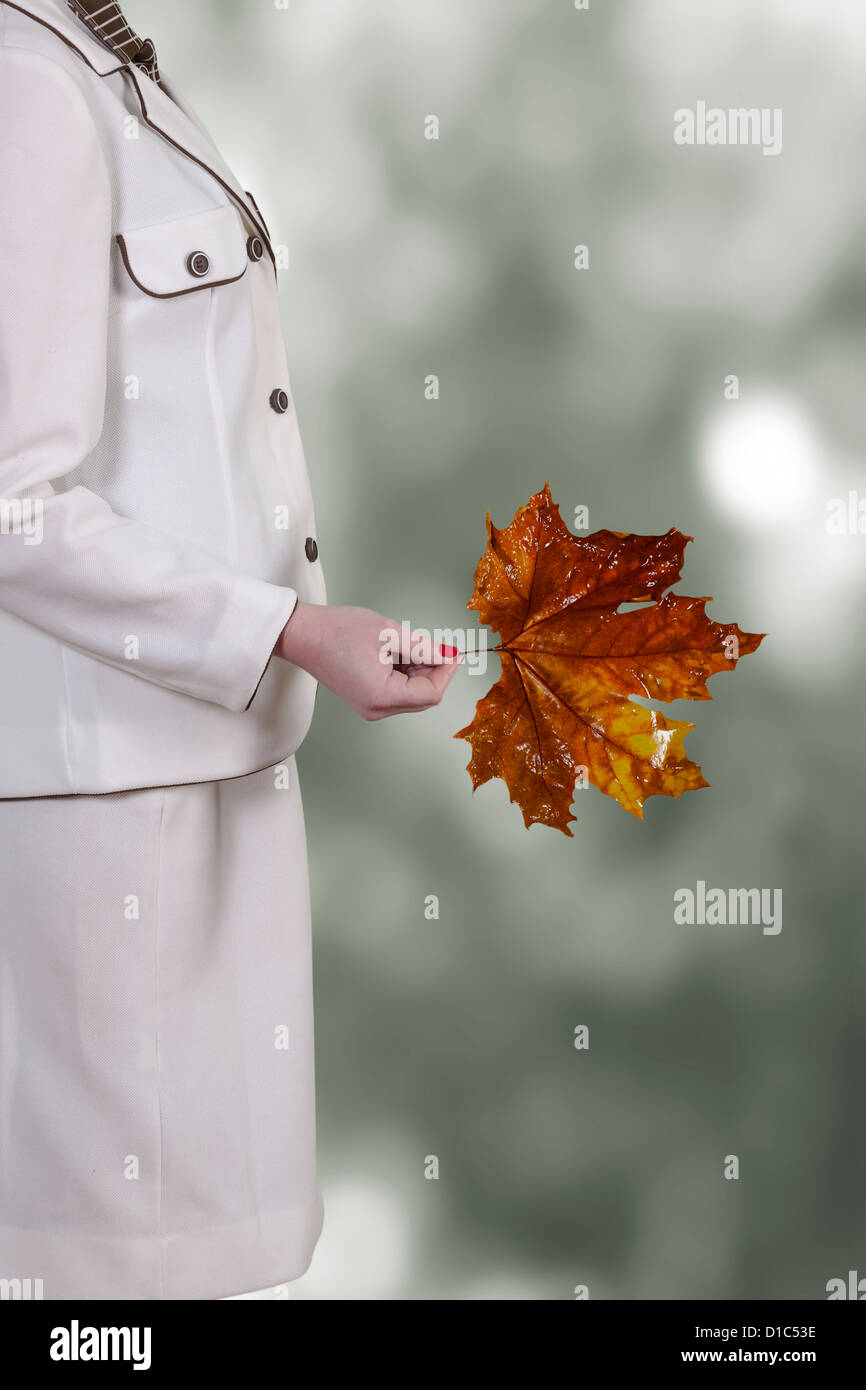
[[156, 521]]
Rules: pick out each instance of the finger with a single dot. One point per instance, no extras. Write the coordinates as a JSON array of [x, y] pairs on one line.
[[447, 656], [420, 689], [417, 648], [413, 648], [442, 676], [440, 653], [438, 676], [413, 673]]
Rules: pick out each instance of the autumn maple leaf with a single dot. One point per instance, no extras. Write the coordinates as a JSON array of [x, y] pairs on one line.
[[571, 661]]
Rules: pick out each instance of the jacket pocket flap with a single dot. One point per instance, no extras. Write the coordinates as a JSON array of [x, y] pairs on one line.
[[190, 253]]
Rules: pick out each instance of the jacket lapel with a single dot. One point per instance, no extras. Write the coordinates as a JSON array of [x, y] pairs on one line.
[[167, 114]]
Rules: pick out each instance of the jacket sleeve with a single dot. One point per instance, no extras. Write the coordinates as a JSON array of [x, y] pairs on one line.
[[100, 582]]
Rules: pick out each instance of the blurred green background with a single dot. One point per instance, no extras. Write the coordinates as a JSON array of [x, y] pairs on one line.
[[454, 257]]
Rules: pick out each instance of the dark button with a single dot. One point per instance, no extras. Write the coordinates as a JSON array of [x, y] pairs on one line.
[[255, 248], [279, 401], [197, 263], [311, 549]]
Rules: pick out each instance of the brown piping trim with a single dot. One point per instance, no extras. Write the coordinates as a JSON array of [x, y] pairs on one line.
[[259, 681], [256, 220], [159, 786], [258, 210], [170, 294], [69, 44]]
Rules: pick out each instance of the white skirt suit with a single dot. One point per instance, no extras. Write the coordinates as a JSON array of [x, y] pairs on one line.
[[157, 1109]]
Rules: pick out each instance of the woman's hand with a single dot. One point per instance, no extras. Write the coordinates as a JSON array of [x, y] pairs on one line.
[[358, 654]]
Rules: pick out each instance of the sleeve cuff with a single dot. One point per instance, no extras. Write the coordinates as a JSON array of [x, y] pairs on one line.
[[240, 649], [292, 599]]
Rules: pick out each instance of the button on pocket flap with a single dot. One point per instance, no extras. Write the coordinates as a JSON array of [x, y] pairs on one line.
[[190, 253]]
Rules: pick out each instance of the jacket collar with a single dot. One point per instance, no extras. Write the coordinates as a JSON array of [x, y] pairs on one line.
[[161, 108], [56, 15]]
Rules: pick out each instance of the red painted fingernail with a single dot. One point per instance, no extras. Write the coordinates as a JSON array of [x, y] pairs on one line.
[[447, 651]]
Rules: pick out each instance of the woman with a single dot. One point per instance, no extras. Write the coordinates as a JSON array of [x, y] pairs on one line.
[[163, 626]]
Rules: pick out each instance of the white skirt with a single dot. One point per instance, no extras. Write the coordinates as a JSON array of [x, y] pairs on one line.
[[157, 1107]]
